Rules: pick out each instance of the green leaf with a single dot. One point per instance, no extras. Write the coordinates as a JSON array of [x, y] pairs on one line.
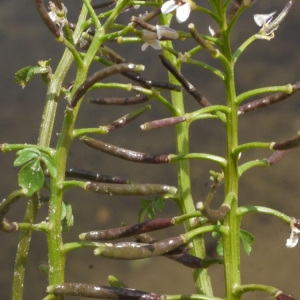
[[25, 75], [26, 155], [31, 177], [247, 240], [49, 163], [149, 208], [67, 218]]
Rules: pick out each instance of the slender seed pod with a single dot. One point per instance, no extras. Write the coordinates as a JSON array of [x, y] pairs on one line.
[[128, 118], [106, 72], [126, 231], [120, 101], [139, 21], [269, 100], [130, 189], [152, 83], [214, 214], [46, 18], [139, 251], [185, 83], [201, 41], [269, 28], [125, 153], [97, 6], [91, 176], [186, 259], [100, 292], [288, 144], [163, 123]]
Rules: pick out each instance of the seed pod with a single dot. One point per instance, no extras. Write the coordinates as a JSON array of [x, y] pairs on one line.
[[277, 156], [100, 292], [120, 101], [288, 144], [128, 118], [106, 72], [130, 251], [268, 100], [125, 153], [126, 231], [185, 83], [163, 123], [130, 189], [92, 176]]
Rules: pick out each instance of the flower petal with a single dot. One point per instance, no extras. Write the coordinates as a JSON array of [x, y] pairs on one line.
[[183, 12], [261, 19], [145, 46], [169, 6]]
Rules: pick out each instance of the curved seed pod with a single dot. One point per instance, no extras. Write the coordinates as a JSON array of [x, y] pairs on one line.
[[288, 144], [185, 83], [163, 123], [214, 214], [139, 21], [120, 101], [126, 231], [130, 189], [106, 72], [91, 176], [269, 100], [100, 292], [128, 118], [139, 251], [125, 153], [46, 18]]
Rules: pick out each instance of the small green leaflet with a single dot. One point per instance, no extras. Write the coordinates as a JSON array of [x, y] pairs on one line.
[[246, 238], [149, 208], [67, 218], [31, 175], [24, 76]]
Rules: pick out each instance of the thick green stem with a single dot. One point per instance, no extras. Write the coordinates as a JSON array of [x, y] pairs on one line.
[[231, 241]]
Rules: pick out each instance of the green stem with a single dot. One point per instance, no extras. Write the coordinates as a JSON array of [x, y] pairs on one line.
[[23, 249], [231, 241], [186, 204]]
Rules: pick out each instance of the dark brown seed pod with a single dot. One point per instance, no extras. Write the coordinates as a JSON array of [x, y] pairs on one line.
[[106, 72], [120, 101], [128, 118], [92, 176], [130, 189], [126, 231], [185, 83], [100, 292], [288, 144], [268, 100], [137, 250], [125, 153]]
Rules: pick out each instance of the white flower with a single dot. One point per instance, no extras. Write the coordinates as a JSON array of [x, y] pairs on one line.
[[262, 19], [182, 7], [166, 33], [150, 38], [293, 240]]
